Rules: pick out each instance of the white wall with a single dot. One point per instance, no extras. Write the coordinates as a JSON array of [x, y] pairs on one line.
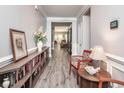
[[110, 39], [24, 18], [101, 34]]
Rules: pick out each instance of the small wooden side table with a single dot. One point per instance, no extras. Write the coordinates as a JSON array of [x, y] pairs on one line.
[[91, 81]]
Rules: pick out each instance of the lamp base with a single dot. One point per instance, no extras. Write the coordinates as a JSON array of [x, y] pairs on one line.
[[96, 63]]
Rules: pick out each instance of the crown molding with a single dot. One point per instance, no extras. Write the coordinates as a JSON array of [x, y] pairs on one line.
[[42, 11], [83, 10]]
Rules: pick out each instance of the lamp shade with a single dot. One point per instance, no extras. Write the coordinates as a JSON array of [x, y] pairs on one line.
[[98, 53]]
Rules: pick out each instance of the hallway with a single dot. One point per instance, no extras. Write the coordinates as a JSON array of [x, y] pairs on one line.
[[56, 74]]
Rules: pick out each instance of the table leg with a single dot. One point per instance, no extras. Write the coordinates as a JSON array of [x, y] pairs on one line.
[[77, 78], [80, 82]]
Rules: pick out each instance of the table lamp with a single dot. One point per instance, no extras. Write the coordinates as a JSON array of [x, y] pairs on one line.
[[97, 55]]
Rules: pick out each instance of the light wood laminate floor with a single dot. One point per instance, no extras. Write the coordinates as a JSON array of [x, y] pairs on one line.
[[56, 73]]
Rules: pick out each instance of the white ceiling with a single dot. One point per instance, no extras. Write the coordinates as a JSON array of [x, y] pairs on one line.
[[61, 10]]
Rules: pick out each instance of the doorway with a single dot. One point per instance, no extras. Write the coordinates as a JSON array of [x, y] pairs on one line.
[[61, 35], [87, 29], [83, 33]]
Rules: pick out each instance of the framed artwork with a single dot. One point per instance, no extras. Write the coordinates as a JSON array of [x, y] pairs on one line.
[[19, 46], [114, 24]]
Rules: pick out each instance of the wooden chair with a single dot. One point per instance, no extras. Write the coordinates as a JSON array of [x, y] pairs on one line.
[[102, 80], [77, 61]]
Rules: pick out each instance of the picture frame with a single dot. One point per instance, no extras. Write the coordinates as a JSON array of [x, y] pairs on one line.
[[19, 45], [114, 24]]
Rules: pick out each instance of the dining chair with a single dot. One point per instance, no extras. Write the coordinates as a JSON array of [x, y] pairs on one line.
[[77, 61]]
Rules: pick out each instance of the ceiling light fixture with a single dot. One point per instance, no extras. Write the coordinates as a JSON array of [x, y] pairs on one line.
[[36, 7]]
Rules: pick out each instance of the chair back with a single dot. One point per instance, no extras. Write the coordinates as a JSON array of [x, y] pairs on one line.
[[86, 54]]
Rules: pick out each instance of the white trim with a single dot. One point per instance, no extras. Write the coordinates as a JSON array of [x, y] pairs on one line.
[[5, 58], [8, 59], [115, 57], [62, 19], [31, 50], [10, 56], [75, 54], [114, 65], [80, 12], [41, 10], [118, 66], [83, 10], [114, 61]]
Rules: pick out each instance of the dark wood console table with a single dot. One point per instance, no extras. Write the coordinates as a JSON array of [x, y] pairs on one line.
[[26, 72], [91, 81]]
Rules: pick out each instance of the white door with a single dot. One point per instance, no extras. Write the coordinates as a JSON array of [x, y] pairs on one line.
[[83, 34], [80, 37], [86, 32]]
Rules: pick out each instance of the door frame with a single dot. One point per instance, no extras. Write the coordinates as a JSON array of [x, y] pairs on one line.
[[88, 13], [74, 29], [80, 28]]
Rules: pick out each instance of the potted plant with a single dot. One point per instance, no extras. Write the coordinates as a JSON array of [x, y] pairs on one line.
[[40, 39]]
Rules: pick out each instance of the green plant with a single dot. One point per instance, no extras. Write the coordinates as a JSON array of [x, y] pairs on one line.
[[40, 36]]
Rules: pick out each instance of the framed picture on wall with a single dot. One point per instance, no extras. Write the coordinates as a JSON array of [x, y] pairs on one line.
[[114, 24], [19, 45]]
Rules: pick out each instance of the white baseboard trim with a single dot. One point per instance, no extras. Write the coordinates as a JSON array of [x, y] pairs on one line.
[[8, 59]]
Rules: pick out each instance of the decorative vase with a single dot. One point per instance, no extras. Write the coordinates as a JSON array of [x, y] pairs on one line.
[[39, 46], [6, 82]]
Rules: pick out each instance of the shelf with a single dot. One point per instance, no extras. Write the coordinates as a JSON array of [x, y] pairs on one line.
[[25, 78], [18, 64], [36, 79], [35, 67], [21, 82], [29, 75]]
